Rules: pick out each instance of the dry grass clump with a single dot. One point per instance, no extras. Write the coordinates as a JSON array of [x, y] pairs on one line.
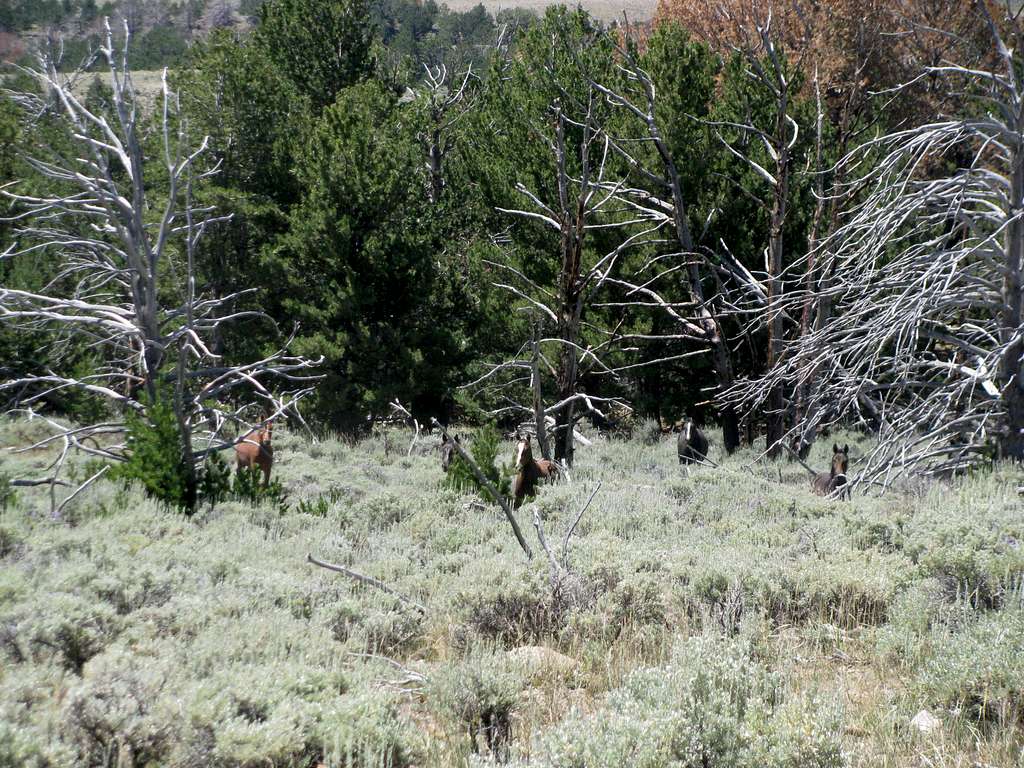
[[710, 616]]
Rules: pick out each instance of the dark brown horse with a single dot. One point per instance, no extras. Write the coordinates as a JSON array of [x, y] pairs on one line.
[[448, 451], [834, 483], [528, 471]]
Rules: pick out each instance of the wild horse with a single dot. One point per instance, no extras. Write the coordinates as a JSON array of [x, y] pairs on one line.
[[529, 471], [692, 446], [834, 482], [447, 450], [256, 450]]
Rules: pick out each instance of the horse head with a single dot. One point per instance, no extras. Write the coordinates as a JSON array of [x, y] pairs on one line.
[[448, 450], [840, 460], [524, 454]]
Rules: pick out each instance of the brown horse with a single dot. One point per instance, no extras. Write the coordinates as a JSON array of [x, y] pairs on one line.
[[256, 450], [528, 471], [828, 484]]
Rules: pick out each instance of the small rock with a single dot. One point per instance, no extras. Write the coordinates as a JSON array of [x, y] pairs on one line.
[[925, 722]]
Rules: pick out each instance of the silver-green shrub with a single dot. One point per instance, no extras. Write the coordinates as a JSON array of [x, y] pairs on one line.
[[713, 705]]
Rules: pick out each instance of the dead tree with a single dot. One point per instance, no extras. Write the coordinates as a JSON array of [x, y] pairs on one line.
[[926, 340], [443, 106], [700, 317], [120, 247], [584, 202], [770, 73]]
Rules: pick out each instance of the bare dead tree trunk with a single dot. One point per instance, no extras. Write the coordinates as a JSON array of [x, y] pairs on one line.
[[538, 398], [444, 106], [777, 399], [805, 436], [767, 71], [570, 304], [1011, 364]]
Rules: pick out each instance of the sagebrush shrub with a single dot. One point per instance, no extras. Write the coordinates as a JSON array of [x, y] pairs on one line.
[[9, 539], [114, 711], [479, 693], [713, 705], [977, 672], [525, 610], [74, 630], [7, 493]]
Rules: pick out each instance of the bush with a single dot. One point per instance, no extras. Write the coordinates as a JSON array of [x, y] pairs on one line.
[[215, 481], [636, 601], [8, 496], [526, 611], [480, 694], [978, 672], [317, 507], [712, 706], [74, 629], [248, 487], [154, 457], [391, 633], [364, 730], [484, 451], [112, 713], [9, 540]]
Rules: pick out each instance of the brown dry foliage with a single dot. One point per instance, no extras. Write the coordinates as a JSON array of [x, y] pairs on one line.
[[11, 47], [854, 45]]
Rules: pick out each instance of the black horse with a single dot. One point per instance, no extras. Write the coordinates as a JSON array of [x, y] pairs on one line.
[[692, 446]]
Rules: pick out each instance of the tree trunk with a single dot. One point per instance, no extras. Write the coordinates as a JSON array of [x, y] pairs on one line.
[[776, 416], [721, 360], [570, 303], [1011, 367], [817, 305], [538, 400], [435, 157], [568, 332]]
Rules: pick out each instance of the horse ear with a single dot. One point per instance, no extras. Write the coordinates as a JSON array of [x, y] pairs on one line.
[[457, 440], [846, 449], [835, 448]]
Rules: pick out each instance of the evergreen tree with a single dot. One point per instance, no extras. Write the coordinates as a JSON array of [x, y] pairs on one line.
[[321, 46]]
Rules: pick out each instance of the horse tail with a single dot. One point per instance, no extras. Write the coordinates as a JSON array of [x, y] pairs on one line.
[[561, 469]]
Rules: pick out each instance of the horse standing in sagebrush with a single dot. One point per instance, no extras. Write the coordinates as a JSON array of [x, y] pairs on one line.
[[834, 481], [529, 471], [692, 445], [256, 449], [448, 450]]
